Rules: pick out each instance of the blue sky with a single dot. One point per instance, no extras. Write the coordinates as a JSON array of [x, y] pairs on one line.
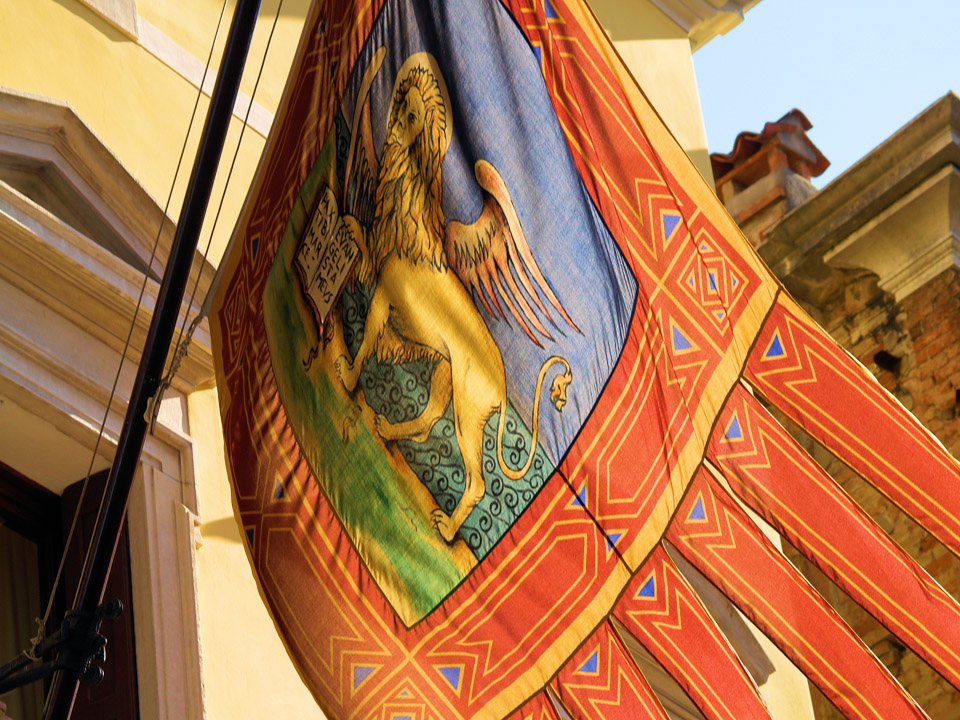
[[858, 70]]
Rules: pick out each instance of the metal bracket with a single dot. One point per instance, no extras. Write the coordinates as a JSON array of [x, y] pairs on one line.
[[78, 645]]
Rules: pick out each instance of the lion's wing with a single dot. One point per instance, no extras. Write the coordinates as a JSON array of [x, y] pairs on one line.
[[362, 167], [489, 252]]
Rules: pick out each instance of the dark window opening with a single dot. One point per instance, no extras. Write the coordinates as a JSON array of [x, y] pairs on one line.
[[887, 361], [33, 525]]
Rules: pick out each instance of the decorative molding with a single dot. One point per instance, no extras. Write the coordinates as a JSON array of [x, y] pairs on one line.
[[703, 20], [68, 303], [73, 276], [190, 68], [880, 198], [42, 371], [64, 268], [912, 240], [163, 579], [919, 149], [121, 14]]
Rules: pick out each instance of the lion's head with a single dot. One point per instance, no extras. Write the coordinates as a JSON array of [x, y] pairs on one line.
[[408, 217]]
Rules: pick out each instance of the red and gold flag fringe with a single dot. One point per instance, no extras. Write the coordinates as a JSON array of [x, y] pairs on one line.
[[662, 611], [770, 472], [722, 542], [602, 681], [816, 383]]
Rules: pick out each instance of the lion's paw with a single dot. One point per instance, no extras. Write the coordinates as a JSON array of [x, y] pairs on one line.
[[350, 424], [384, 427], [344, 370], [443, 524], [348, 427]]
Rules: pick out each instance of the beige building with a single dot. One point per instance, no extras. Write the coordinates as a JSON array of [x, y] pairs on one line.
[[95, 102]]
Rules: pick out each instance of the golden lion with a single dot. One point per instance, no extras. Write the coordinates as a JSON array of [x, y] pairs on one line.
[[421, 308]]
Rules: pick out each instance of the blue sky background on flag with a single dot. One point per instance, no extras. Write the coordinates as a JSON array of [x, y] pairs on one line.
[[566, 235], [857, 70]]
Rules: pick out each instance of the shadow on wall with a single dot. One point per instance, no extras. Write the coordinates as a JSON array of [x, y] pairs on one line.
[[224, 528]]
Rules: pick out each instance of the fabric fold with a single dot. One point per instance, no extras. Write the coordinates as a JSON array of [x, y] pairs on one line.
[[817, 384], [601, 681]]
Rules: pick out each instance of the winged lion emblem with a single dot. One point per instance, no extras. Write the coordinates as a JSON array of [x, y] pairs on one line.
[[428, 271]]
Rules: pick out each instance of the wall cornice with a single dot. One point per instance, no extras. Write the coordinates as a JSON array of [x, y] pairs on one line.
[[65, 269], [890, 204], [703, 20]]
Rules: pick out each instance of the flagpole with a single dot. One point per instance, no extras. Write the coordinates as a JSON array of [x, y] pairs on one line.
[[106, 533]]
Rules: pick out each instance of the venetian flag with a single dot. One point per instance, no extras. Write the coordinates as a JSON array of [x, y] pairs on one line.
[[491, 355]]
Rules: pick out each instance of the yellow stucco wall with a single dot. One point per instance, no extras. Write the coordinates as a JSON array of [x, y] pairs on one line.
[[140, 108], [247, 672], [657, 52], [193, 28], [137, 104]]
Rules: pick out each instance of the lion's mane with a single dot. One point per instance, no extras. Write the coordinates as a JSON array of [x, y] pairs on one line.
[[408, 217]]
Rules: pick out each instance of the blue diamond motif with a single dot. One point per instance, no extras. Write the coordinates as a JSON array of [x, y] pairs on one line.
[[680, 341], [670, 223], [590, 666], [649, 589], [548, 9], [698, 513], [360, 674], [734, 432], [581, 498], [776, 348], [451, 675]]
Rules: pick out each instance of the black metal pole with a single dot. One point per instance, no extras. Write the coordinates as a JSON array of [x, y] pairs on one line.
[[103, 541]]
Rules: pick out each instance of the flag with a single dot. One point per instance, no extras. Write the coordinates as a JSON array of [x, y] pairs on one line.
[[483, 336]]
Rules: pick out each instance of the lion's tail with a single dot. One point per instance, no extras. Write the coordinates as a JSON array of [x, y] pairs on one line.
[[558, 394]]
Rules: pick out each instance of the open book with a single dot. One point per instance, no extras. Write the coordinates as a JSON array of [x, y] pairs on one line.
[[325, 256]]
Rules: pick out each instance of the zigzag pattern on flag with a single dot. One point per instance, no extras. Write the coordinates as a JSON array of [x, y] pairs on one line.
[[662, 611], [601, 680], [772, 474], [722, 542]]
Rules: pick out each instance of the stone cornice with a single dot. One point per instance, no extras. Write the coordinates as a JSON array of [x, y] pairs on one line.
[[829, 223], [82, 282], [911, 241], [64, 269], [703, 20]]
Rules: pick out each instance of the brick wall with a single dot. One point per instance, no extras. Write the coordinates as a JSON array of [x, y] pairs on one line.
[[913, 348]]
